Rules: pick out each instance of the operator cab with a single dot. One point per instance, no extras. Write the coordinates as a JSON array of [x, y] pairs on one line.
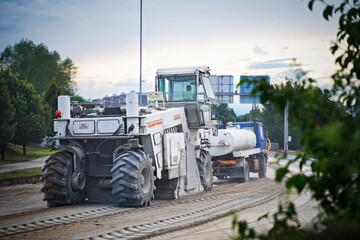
[[190, 88]]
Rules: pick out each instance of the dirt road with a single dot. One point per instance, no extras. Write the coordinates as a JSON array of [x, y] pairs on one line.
[[24, 214]]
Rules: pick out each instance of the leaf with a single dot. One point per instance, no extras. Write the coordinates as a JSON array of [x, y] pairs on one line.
[[266, 215], [291, 211], [242, 226], [328, 11], [280, 173], [341, 7], [298, 181], [230, 213], [334, 48], [310, 5], [252, 233]]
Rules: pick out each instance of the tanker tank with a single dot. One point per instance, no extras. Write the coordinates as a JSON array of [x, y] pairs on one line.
[[229, 140]]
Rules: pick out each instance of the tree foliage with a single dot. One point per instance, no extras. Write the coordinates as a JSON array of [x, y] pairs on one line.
[[7, 112], [330, 133], [79, 99], [223, 110], [36, 64], [29, 112], [50, 102], [51, 95]]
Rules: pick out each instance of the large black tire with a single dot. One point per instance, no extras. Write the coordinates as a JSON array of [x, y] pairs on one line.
[[262, 166], [246, 169], [133, 179], [205, 170], [57, 181]]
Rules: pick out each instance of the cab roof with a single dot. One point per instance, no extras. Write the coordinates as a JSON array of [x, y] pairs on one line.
[[182, 70]]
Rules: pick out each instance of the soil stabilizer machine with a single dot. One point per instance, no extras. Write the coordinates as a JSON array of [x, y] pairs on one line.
[[130, 155]]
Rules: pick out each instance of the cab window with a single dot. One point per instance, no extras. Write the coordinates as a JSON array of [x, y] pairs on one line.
[[202, 96], [178, 87]]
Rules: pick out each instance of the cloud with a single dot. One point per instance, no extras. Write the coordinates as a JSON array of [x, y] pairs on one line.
[[10, 28], [284, 48], [273, 64], [259, 50], [133, 83]]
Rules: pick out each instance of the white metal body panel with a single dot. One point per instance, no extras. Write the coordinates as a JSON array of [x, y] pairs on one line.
[[60, 127], [230, 140], [159, 120], [83, 126], [174, 149], [155, 125], [246, 153], [96, 126], [107, 126]]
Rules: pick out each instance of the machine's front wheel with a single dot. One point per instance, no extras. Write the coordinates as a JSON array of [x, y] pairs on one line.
[[57, 181], [205, 170], [133, 179], [262, 166]]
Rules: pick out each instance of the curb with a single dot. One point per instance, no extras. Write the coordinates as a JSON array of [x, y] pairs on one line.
[[20, 180]]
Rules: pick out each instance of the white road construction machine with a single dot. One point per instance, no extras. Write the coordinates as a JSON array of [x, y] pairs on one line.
[[131, 154]]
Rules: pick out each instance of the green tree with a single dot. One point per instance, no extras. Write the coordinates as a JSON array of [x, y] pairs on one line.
[[50, 102], [223, 110], [51, 95], [274, 124], [274, 121], [79, 99], [330, 134], [255, 112], [29, 111], [36, 64], [7, 124]]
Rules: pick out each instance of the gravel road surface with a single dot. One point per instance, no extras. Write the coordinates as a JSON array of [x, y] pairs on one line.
[[24, 215]]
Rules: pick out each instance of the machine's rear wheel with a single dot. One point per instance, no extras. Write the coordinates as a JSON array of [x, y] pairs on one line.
[[133, 179], [262, 166], [57, 181], [205, 170]]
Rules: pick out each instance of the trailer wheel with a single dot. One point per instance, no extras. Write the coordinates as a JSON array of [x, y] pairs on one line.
[[262, 166], [57, 181], [205, 170], [133, 179]]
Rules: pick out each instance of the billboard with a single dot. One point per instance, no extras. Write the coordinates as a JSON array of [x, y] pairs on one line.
[[223, 87]]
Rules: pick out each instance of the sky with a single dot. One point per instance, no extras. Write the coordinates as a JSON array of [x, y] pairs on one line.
[[232, 37]]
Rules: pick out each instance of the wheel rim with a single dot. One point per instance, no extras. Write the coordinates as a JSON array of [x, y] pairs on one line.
[[145, 180]]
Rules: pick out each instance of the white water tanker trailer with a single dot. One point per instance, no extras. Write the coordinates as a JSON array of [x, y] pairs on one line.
[[131, 154], [238, 149]]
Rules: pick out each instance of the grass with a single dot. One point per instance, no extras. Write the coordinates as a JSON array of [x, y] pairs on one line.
[[21, 173], [13, 154]]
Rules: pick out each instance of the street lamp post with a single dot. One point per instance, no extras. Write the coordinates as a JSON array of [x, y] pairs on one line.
[[286, 127], [140, 54]]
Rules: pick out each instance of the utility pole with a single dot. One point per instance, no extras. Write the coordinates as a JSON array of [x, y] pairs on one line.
[[286, 127], [140, 95]]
